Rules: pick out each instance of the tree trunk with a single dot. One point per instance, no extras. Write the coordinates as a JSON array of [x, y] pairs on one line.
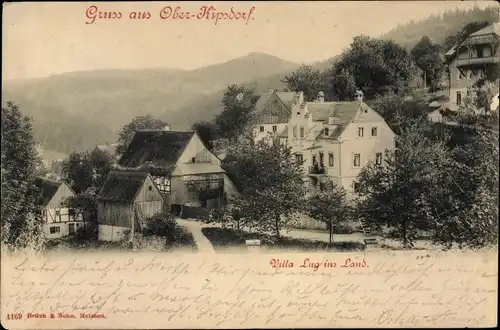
[[277, 226], [330, 232]]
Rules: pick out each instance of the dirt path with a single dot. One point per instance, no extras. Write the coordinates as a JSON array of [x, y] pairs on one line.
[[194, 227]]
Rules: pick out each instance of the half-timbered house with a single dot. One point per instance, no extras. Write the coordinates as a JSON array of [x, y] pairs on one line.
[[183, 169], [59, 220], [272, 113]]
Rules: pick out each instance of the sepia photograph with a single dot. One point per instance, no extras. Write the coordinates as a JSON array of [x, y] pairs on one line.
[[231, 165]]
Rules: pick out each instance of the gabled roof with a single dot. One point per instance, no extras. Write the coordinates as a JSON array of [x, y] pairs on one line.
[[490, 29], [122, 186], [286, 98], [261, 102], [155, 151], [341, 111], [47, 189]]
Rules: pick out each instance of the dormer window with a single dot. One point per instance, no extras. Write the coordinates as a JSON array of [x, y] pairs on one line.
[[326, 131]]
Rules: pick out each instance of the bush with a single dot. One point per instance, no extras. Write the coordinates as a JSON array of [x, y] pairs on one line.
[[161, 224], [88, 232]]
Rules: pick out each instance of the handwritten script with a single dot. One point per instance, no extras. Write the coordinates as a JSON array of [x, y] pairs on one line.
[[171, 291]]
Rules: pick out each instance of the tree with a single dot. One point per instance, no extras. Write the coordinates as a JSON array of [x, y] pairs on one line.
[[238, 108], [329, 206], [306, 80], [206, 131], [411, 191], [378, 66], [84, 205], [22, 226], [398, 111], [476, 175], [271, 184], [427, 56], [87, 169], [342, 86], [140, 122], [483, 93]]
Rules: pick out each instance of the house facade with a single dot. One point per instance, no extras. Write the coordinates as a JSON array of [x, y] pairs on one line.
[[273, 111], [59, 220], [336, 139], [126, 200], [472, 60], [184, 170]]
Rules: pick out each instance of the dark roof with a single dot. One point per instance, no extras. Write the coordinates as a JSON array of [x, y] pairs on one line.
[[47, 190], [122, 186], [155, 152]]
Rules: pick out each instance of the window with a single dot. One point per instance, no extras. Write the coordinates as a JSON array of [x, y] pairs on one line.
[[302, 132], [327, 131], [357, 160], [460, 75], [163, 184], [374, 131], [299, 158], [321, 159], [378, 158], [314, 159], [361, 131], [275, 128], [150, 188], [261, 128], [294, 131], [468, 92], [57, 215], [54, 230], [330, 159], [193, 160], [459, 98], [469, 73]]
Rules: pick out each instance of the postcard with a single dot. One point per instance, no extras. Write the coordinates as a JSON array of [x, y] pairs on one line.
[[234, 165]]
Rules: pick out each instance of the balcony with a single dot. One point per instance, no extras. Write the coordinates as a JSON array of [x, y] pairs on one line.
[[478, 61], [317, 170], [484, 39]]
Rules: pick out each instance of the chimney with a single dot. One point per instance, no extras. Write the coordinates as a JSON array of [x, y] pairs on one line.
[[331, 117], [359, 95], [271, 90], [321, 97]]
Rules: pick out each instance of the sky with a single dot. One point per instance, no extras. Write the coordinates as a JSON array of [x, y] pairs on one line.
[[42, 39]]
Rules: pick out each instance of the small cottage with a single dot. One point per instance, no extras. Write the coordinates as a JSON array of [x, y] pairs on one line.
[[126, 200], [58, 219]]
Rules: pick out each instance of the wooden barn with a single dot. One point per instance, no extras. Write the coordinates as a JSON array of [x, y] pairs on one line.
[[126, 200]]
